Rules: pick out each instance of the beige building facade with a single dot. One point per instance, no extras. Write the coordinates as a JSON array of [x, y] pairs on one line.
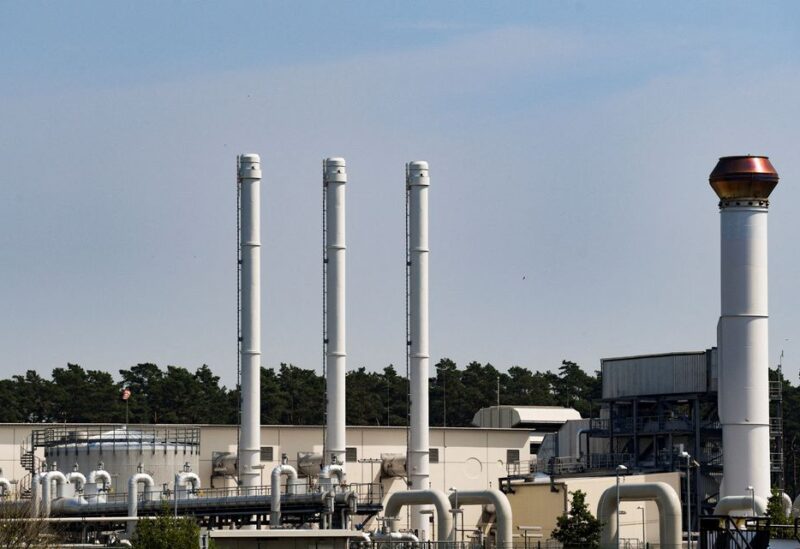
[[461, 458], [537, 505]]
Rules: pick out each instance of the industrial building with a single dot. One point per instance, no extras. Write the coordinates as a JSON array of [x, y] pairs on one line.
[[665, 425]]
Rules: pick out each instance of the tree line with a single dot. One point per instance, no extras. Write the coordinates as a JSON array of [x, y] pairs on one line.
[[289, 395]]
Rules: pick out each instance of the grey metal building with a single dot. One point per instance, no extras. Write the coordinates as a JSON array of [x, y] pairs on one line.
[[656, 406]]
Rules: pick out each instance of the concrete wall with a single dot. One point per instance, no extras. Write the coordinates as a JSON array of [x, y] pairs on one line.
[[538, 505]]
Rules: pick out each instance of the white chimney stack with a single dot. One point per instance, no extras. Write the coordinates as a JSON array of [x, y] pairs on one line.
[[743, 184], [250, 345], [334, 181], [417, 184]]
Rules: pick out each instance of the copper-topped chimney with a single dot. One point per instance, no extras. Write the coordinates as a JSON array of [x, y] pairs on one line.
[[743, 184]]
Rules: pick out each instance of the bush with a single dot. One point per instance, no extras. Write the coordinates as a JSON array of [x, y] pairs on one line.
[[15, 534], [167, 532], [578, 528], [777, 516]]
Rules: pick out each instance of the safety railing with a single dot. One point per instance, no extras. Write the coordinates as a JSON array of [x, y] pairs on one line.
[[775, 390], [723, 532], [72, 439]]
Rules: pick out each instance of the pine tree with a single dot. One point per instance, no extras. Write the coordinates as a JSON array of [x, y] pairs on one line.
[[776, 514], [578, 528]]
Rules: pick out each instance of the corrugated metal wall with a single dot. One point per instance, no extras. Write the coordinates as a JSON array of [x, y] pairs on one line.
[[656, 374]]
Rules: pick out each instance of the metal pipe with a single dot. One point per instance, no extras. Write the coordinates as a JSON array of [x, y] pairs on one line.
[[74, 519], [580, 431], [669, 511], [93, 493], [77, 478], [743, 184], [398, 500], [335, 470], [133, 496], [5, 487], [329, 505], [502, 508], [250, 243], [184, 477], [748, 504], [36, 493], [334, 180], [417, 184], [786, 504], [394, 536], [275, 491], [47, 488]]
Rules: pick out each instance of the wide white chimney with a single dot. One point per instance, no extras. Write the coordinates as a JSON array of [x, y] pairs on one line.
[[743, 184], [250, 346], [334, 181], [417, 183]]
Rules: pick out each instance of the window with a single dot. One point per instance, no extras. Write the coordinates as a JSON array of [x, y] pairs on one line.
[[351, 455], [433, 455], [512, 456], [266, 453]]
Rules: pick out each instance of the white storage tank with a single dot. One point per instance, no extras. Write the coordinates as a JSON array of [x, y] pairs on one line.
[[162, 450]]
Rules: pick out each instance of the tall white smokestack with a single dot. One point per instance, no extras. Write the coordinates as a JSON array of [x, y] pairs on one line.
[[417, 183], [743, 184], [334, 180], [250, 346]]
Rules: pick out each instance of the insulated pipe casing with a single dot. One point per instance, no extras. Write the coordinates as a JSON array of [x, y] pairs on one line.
[[78, 479], [334, 182], [36, 494], [417, 184], [250, 249], [93, 493], [670, 527], [502, 507], [182, 479], [397, 500], [133, 497], [747, 505], [743, 184], [5, 488], [47, 487], [275, 491]]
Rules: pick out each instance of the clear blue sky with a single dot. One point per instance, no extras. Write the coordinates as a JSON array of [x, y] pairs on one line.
[[569, 142]]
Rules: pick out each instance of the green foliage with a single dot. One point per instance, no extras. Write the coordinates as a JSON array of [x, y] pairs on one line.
[[289, 395], [578, 528], [167, 532], [776, 515]]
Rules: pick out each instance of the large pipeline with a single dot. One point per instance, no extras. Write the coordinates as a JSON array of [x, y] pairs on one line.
[[275, 491], [669, 512], [505, 530], [47, 487], [182, 479], [36, 493], [133, 496], [98, 494], [77, 478], [752, 505], [398, 500]]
